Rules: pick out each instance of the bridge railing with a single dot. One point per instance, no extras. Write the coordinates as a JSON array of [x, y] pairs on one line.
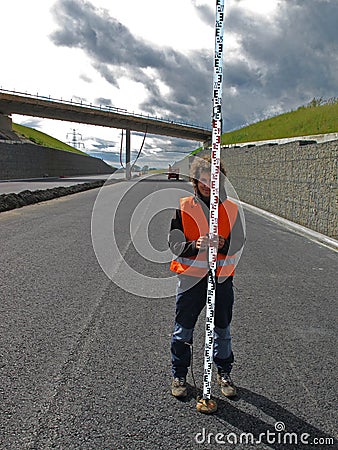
[[105, 108]]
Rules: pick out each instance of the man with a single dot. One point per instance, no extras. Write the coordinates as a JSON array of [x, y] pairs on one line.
[[189, 241]]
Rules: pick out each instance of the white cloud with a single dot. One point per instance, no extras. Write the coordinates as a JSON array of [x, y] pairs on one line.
[[156, 57]]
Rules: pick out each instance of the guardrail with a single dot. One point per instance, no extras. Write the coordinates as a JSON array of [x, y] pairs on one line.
[[313, 138], [106, 108]]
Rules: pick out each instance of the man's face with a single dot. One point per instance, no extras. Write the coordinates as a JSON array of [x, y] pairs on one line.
[[203, 184]]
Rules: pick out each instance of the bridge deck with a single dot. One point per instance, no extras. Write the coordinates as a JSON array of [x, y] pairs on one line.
[[98, 115]]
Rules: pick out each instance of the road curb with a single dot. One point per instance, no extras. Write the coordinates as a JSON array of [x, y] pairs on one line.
[[300, 229]]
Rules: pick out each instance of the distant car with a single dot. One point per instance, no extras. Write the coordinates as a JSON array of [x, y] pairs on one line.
[[173, 172]]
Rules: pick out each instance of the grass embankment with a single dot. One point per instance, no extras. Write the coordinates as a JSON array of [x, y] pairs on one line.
[[317, 117], [44, 139], [305, 121]]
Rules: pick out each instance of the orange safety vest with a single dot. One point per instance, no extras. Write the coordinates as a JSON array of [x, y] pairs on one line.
[[195, 224]]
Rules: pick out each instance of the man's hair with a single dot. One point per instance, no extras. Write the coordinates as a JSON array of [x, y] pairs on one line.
[[201, 165]]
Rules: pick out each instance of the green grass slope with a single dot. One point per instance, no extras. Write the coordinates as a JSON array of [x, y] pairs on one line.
[[305, 121], [318, 117], [44, 139]]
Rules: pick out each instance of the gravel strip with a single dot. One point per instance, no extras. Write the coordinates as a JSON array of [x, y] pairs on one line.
[[27, 197]]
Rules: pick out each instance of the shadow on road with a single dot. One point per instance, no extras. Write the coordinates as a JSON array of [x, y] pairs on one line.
[[288, 439]]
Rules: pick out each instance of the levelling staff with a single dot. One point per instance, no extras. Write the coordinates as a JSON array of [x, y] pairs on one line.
[[189, 242]]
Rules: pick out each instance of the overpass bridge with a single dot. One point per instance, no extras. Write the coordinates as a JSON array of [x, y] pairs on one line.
[[106, 116]]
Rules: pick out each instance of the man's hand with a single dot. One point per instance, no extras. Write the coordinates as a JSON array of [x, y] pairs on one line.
[[221, 242], [203, 242]]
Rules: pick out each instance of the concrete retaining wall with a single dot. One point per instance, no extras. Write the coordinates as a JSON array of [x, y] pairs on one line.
[[33, 161], [297, 182]]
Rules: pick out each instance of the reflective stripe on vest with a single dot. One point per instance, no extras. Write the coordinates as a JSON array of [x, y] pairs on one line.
[[195, 224], [204, 264]]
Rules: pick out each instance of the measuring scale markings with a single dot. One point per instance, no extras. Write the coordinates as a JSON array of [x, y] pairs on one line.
[[214, 197]]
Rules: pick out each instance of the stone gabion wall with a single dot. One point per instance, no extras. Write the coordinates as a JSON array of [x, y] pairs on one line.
[[21, 160], [297, 181]]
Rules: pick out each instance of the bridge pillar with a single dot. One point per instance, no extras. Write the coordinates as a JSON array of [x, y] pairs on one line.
[[5, 123], [128, 167], [206, 144], [6, 130]]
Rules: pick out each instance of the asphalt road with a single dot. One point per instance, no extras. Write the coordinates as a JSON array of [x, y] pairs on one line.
[[85, 362]]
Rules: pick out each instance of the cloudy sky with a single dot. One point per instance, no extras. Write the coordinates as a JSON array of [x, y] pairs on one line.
[[156, 57]]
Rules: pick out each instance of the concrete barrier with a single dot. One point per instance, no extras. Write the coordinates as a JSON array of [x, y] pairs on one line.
[[294, 181], [25, 160]]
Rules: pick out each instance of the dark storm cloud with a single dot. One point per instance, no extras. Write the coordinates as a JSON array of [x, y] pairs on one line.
[[100, 143], [106, 73], [168, 145], [107, 156], [77, 99], [103, 101], [115, 52], [280, 64], [205, 13]]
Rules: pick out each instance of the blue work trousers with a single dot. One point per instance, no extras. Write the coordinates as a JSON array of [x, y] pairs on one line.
[[190, 301]]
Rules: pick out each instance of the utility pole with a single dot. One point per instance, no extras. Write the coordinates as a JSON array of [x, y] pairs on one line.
[[128, 167], [76, 140]]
